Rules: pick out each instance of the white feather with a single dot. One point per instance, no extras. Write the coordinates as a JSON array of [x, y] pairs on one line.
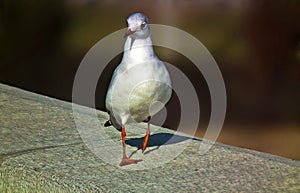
[[139, 80]]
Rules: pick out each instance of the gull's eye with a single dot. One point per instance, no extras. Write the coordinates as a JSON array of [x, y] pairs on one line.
[[143, 25]]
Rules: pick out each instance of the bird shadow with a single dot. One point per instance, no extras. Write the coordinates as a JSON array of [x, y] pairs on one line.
[[157, 140]]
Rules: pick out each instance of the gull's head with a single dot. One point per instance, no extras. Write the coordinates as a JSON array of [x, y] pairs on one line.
[[138, 26]]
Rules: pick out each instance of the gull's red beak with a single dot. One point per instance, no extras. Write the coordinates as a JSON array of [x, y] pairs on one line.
[[128, 33]]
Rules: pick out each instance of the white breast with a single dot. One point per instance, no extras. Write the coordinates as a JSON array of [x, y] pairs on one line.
[[137, 83]]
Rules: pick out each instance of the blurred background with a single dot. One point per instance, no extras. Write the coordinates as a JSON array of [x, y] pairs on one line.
[[255, 43]]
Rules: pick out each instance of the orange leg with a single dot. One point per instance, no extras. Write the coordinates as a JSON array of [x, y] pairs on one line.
[[146, 138], [125, 160]]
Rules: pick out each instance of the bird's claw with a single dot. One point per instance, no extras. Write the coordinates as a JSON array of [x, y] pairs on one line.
[[128, 161]]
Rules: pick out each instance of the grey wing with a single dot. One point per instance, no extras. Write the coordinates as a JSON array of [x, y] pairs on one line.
[[108, 101], [109, 90]]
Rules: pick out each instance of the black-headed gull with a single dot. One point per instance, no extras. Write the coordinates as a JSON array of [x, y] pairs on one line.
[[139, 81]]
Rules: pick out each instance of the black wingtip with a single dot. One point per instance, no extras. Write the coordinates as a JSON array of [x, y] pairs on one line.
[[108, 123]]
